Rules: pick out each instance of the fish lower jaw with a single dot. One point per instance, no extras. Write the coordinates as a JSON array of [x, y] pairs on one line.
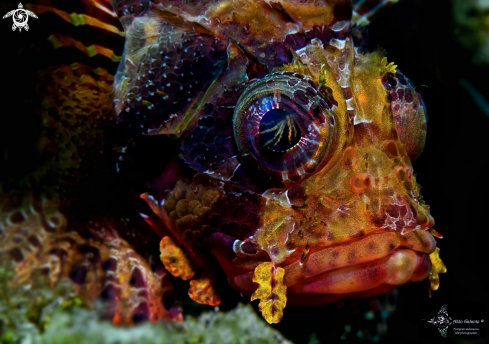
[[365, 267], [355, 281], [403, 265]]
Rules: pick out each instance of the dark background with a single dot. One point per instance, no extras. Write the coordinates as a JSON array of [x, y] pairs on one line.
[[453, 170]]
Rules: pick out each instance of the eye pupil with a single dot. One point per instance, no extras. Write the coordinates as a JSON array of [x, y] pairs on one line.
[[279, 131]]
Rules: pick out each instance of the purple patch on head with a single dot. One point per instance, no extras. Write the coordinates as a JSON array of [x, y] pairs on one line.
[[292, 82], [347, 92], [400, 94], [282, 54], [389, 81], [311, 92], [300, 97], [393, 96], [324, 34], [401, 79], [409, 96], [295, 41], [378, 220], [399, 225]]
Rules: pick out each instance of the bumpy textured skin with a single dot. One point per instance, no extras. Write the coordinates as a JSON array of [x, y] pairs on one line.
[[100, 264], [343, 216]]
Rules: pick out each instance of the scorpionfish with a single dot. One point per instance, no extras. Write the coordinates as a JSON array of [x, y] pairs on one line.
[[284, 148], [257, 141]]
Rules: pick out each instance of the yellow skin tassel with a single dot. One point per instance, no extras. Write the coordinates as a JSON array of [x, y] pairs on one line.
[[175, 260], [271, 292], [437, 267]]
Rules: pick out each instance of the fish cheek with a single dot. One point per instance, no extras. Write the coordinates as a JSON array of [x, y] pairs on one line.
[[203, 217]]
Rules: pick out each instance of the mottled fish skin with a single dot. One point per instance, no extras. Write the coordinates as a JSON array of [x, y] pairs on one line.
[[277, 139], [321, 190]]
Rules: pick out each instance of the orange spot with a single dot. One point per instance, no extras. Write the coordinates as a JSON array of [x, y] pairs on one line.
[[350, 157], [203, 292], [390, 148], [175, 260], [401, 174], [116, 320], [360, 181]]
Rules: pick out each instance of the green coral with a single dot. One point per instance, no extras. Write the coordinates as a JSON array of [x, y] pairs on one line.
[[240, 325], [37, 313], [26, 310]]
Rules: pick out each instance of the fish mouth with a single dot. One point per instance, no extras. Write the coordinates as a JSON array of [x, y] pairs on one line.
[[369, 266]]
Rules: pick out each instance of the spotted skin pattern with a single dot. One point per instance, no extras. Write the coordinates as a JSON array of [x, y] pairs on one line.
[[339, 210], [335, 213]]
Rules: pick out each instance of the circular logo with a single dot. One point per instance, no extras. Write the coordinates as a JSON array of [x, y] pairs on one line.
[[20, 17]]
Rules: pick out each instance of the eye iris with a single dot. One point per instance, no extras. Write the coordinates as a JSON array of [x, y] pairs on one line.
[[279, 131], [284, 123]]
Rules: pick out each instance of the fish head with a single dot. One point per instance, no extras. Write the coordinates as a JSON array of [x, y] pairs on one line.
[[277, 139]]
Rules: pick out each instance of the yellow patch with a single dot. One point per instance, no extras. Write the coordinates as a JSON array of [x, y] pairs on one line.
[[295, 67], [387, 68], [175, 260], [437, 267], [203, 292], [271, 292]]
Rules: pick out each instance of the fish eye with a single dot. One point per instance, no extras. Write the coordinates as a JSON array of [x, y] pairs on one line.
[[284, 122]]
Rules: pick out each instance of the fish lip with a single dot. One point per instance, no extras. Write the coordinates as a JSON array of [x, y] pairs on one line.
[[397, 268], [370, 247], [243, 281]]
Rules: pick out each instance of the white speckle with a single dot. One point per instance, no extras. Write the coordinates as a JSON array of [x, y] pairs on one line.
[[340, 25], [357, 120], [338, 43], [317, 42]]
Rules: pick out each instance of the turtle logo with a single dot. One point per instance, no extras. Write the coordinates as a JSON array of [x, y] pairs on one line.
[[20, 17]]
